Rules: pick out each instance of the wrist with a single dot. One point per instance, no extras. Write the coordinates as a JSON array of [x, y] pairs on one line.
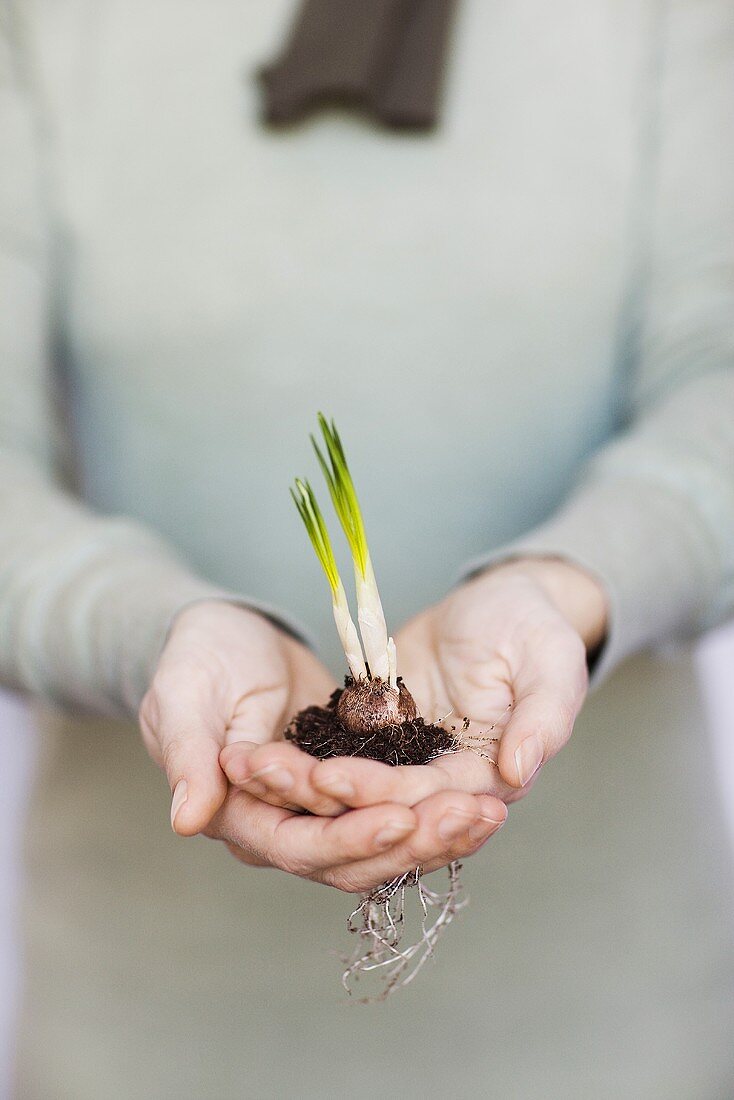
[[577, 594]]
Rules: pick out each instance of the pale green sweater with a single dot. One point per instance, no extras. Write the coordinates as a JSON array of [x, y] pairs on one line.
[[524, 326]]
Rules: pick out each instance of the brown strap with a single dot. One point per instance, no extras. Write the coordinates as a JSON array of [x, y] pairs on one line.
[[385, 57]]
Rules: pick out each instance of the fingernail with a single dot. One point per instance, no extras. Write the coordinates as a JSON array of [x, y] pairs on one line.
[[338, 785], [180, 794], [484, 826], [453, 823], [279, 778], [391, 833], [528, 758]]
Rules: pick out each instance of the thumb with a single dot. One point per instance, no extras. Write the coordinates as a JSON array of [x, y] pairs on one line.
[[524, 744], [540, 725], [189, 744], [547, 699], [198, 783]]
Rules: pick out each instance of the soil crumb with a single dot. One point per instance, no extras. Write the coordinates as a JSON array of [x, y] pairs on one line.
[[318, 731]]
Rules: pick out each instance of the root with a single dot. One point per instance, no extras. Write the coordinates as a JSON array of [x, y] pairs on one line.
[[380, 922], [472, 741]]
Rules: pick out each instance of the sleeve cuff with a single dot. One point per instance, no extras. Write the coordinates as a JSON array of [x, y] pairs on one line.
[[114, 624], [642, 544]]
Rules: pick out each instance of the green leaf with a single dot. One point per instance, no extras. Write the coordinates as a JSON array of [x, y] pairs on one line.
[[310, 513], [342, 491]]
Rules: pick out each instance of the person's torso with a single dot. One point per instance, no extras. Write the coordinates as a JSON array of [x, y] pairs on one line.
[[454, 300], [457, 302]]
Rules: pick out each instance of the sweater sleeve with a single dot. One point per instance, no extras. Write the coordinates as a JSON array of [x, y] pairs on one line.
[[85, 600], [652, 514]]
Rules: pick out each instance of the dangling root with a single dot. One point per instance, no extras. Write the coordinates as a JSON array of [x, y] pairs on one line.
[[379, 920], [472, 741], [380, 917]]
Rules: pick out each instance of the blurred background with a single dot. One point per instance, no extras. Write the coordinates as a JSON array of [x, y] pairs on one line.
[[17, 750]]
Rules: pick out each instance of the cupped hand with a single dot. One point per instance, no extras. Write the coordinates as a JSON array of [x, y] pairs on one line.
[[226, 674], [508, 651], [229, 681]]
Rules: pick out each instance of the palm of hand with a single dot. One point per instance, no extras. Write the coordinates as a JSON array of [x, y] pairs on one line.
[[496, 651], [226, 675], [501, 656]]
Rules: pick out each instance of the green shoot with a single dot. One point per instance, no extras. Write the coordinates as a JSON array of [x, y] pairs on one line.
[[342, 491], [313, 521], [310, 513], [370, 615]]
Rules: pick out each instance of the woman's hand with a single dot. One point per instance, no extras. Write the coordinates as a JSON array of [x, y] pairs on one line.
[[507, 650], [229, 681], [226, 674]]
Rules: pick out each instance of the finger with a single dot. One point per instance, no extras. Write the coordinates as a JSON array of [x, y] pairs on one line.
[[359, 782], [280, 774], [307, 844], [192, 736], [549, 691], [540, 725], [197, 782], [304, 845], [248, 858], [448, 829], [187, 741], [450, 825], [234, 762]]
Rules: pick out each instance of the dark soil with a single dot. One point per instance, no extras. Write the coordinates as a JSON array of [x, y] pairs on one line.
[[318, 731]]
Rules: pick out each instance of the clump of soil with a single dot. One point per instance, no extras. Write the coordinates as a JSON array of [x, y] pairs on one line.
[[320, 732]]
